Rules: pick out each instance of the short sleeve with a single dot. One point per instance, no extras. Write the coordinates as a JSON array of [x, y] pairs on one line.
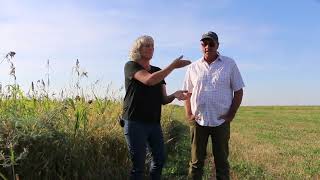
[[236, 79], [131, 68], [187, 83]]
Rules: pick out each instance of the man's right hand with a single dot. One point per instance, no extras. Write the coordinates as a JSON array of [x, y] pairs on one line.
[[191, 117], [181, 95], [179, 62]]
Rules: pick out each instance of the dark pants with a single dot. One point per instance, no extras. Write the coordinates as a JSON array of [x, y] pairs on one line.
[[139, 137], [220, 149]]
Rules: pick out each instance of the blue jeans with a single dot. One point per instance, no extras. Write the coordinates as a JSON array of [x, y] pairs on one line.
[[139, 137]]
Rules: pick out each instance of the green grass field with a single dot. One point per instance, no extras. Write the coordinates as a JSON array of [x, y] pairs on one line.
[[266, 143], [42, 138], [276, 142], [72, 137]]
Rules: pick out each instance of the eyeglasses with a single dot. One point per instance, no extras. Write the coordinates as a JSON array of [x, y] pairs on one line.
[[210, 43]]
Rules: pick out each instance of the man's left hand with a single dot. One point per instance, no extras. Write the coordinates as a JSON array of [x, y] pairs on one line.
[[227, 117]]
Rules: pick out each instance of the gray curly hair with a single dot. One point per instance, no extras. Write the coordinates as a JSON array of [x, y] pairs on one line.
[[134, 54]]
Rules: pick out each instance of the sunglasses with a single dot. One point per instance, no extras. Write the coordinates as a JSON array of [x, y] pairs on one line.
[[208, 43]]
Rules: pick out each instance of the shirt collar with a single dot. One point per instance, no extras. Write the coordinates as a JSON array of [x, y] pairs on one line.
[[219, 58]]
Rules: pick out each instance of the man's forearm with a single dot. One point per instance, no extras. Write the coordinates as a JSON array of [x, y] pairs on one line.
[[237, 99], [187, 107]]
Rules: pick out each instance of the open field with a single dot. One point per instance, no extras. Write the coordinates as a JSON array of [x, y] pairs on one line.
[[42, 138], [276, 142], [267, 143]]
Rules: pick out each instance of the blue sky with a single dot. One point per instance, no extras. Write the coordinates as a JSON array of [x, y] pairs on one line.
[[275, 43]]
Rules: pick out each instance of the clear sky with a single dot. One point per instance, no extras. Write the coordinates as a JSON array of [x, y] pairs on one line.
[[275, 43]]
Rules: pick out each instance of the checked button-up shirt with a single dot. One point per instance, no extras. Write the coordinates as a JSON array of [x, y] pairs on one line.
[[212, 87]]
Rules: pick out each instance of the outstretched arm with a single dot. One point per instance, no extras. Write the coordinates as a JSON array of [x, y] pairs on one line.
[[180, 95], [151, 79]]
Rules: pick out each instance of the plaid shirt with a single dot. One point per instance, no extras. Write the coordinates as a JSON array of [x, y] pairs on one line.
[[212, 88]]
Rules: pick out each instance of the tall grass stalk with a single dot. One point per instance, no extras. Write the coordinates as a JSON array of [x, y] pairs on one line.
[[71, 137]]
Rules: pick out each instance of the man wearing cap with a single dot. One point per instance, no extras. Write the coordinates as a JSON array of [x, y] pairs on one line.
[[214, 86]]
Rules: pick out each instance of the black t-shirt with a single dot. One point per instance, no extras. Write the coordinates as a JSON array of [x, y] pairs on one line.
[[141, 102]]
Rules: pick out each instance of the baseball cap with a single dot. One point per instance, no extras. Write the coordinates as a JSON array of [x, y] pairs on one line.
[[210, 35]]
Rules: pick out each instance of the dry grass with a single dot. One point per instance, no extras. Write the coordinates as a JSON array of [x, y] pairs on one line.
[[66, 139], [282, 142], [70, 137]]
